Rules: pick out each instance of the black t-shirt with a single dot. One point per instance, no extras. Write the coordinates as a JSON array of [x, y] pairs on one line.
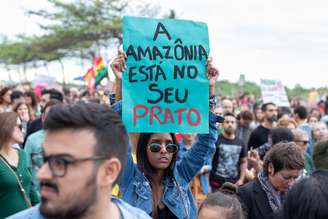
[[165, 213], [33, 127], [226, 159], [258, 137]]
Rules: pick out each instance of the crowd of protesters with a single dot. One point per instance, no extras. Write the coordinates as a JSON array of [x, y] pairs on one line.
[[70, 156]]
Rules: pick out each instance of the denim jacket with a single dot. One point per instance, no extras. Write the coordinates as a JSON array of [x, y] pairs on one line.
[[135, 187]]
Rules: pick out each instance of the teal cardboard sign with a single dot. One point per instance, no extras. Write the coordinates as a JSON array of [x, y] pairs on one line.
[[165, 88]]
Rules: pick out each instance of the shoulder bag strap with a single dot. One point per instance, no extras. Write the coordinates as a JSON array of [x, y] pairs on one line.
[[21, 188]]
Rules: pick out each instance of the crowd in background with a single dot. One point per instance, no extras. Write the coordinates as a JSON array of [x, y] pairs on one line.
[[267, 160]]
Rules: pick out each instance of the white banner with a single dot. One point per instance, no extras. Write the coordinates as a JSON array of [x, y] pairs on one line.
[[274, 91]]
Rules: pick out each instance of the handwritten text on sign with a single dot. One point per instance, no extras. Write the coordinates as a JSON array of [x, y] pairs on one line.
[[165, 88]]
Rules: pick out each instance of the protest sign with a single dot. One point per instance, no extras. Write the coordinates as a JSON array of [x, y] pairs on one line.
[[165, 88], [273, 91]]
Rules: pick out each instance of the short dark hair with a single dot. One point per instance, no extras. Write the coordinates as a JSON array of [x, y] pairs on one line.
[[265, 106], [284, 111], [308, 198], [54, 94], [16, 94], [111, 135], [229, 114], [142, 158], [320, 155], [281, 134], [51, 103], [301, 111], [284, 155], [246, 115], [220, 199]]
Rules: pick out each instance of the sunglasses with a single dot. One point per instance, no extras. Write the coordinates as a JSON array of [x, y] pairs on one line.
[[170, 148], [304, 142]]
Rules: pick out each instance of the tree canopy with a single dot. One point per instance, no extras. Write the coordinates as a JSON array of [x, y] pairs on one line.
[[76, 29]]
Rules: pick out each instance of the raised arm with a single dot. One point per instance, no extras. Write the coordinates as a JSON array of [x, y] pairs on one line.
[[204, 146], [118, 66], [130, 168], [196, 156], [212, 74]]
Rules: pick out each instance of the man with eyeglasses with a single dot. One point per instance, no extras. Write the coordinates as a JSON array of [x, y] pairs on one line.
[[83, 154]]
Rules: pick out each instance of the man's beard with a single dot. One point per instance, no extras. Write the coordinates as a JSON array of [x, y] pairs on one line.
[[76, 206], [230, 131], [272, 119]]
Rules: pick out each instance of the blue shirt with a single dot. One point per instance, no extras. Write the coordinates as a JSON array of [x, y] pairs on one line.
[[126, 210], [202, 177], [33, 146]]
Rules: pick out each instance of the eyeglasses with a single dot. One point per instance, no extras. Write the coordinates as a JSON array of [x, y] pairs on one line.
[[170, 148], [58, 164]]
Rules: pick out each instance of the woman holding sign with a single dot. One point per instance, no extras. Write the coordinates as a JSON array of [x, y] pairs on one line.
[[157, 184]]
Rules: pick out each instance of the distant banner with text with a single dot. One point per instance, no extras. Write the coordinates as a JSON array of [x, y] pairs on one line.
[[274, 91]]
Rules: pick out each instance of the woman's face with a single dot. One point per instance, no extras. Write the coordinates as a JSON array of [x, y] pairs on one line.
[[6, 97], [316, 113], [160, 160], [17, 136], [313, 120], [28, 100], [22, 111], [320, 132], [284, 179]]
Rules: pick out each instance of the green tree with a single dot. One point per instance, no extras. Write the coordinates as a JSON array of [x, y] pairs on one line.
[[81, 28], [71, 29], [226, 88]]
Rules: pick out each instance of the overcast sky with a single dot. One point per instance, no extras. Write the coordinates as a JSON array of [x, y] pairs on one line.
[[272, 39]]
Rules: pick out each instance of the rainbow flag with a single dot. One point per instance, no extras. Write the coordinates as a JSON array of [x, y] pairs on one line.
[[95, 74]]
